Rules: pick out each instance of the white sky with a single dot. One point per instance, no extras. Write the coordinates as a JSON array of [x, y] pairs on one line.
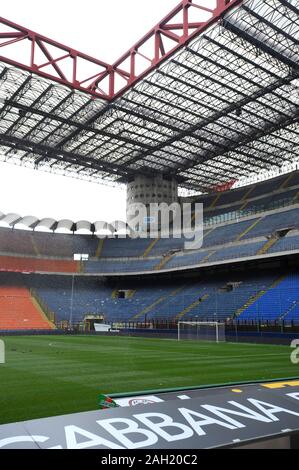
[[102, 29]]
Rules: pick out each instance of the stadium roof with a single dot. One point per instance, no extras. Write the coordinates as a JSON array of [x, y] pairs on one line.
[[207, 96], [48, 224]]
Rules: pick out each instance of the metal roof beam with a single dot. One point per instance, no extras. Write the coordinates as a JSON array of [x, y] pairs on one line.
[[200, 138], [247, 99], [256, 65], [63, 156], [75, 124], [59, 127], [260, 45], [21, 89], [266, 131], [37, 101], [270, 25], [230, 109], [280, 81], [289, 5], [195, 114]]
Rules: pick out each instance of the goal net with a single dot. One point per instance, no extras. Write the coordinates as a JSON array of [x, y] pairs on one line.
[[206, 331]]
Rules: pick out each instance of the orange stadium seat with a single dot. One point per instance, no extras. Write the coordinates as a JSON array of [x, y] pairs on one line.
[[18, 312]]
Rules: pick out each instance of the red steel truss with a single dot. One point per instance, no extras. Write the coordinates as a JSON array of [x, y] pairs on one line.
[[40, 55]]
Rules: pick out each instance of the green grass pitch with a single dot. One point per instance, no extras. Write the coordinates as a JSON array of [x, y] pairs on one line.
[[53, 375]]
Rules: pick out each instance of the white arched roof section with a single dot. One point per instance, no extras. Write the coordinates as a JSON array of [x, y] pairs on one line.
[[83, 227], [45, 225], [64, 226], [9, 220], [103, 229], [26, 223], [120, 228]]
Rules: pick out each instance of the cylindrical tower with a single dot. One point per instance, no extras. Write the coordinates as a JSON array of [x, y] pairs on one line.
[[146, 190]]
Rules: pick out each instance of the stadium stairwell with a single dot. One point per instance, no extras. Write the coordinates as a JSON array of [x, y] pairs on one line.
[[296, 197], [260, 294], [191, 307], [81, 267], [34, 245], [248, 229], [150, 247], [246, 195], [214, 202], [289, 310], [50, 315], [43, 313], [265, 248], [164, 261], [114, 294], [100, 248], [243, 206], [206, 258], [154, 304], [286, 181], [209, 231]]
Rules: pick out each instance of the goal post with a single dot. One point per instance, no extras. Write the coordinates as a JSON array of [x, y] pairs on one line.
[[199, 330]]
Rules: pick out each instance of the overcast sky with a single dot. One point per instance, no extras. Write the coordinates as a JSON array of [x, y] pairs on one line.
[[105, 30]]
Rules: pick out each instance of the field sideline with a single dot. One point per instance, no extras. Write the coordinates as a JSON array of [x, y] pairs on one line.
[[53, 375]]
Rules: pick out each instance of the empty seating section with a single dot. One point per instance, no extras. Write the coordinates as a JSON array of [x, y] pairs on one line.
[[42, 244], [223, 240], [227, 233], [194, 257], [238, 251], [173, 305], [289, 243], [199, 301], [271, 201], [207, 200], [119, 266], [16, 264], [278, 221], [165, 245], [256, 205], [15, 241], [279, 302], [250, 299], [259, 196], [268, 186], [124, 247], [141, 306], [246, 297], [88, 296], [233, 196], [64, 246], [218, 211], [294, 179], [168, 302], [18, 312]]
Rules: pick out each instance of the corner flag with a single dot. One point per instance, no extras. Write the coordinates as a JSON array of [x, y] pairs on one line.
[[105, 402]]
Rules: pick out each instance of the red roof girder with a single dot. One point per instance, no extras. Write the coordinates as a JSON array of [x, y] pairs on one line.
[[108, 81]]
